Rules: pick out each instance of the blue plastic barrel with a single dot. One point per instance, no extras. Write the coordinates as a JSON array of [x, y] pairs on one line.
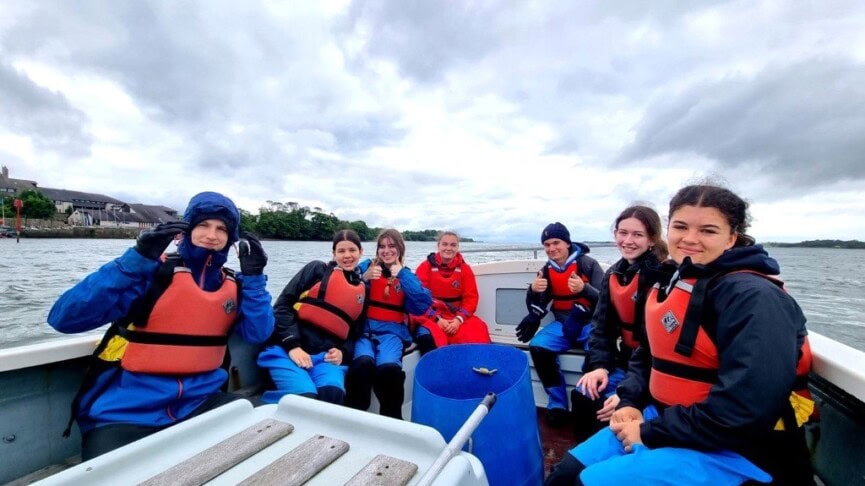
[[447, 389]]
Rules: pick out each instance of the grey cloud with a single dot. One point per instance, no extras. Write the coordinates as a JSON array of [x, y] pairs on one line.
[[46, 117], [427, 37], [802, 122], [200, 72]]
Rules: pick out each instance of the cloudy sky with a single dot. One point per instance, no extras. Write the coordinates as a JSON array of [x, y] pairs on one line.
[[491, 118]]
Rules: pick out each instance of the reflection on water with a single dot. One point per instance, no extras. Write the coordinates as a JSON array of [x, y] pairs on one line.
[[33, 273]]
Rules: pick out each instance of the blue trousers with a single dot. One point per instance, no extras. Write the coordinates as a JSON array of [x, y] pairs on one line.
[[292, 379], [552, 338], [607, 463], [383, 341]]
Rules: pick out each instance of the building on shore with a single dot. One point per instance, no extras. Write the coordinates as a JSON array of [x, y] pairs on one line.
[[91, 209]]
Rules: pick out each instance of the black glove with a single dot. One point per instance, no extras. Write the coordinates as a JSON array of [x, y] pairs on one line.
[[152, 242], [529, 325], [251, 255]]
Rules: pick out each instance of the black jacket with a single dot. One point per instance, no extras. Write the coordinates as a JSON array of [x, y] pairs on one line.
[[604, 350], [758, 330], [290, 332]]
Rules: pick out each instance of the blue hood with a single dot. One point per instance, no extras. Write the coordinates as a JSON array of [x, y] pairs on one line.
[[209, 205]]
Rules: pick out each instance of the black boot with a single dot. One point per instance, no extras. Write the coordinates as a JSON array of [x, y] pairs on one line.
[[358, 383], [389, 386], [425, 343], [546, 366], [584, 413], [331, 394], [566, 472]]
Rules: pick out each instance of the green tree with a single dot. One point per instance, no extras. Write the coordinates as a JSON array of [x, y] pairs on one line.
[[36, 205], [323, 226], [365, 232], [248, 221]]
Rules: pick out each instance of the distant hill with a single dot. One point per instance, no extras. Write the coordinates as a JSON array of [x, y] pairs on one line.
[[850, 244]]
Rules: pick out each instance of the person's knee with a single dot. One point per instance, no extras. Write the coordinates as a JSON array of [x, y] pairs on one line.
[[390, 372], [566, 472], [545, 364], [425, 343], [362, 364], [331, 394]]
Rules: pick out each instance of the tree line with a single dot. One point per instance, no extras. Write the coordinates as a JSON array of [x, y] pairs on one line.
[[276, 220], [290, 221], [848, 244]]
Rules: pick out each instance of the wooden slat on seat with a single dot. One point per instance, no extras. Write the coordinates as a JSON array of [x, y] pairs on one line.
[[221, 457], [384, 471], [301, 463]]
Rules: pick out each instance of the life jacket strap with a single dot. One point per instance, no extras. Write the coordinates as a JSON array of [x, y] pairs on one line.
[[171, 339], [385, 305], [687, 372]]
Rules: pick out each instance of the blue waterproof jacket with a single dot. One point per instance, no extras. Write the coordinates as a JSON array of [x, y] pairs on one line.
[[417, 300], [105, 296]]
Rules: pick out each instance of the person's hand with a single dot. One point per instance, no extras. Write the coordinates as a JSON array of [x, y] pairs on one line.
[[333, 356], [449, 326], [251, 255], [575, 283], [152, 242], [539, 284], [594, 382], [300, 358], [373, 272], [626, 414], [628, 433], [609, 407], [527, 328]]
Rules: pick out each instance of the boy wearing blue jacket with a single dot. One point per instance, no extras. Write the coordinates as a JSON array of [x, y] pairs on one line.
[[160, 361]]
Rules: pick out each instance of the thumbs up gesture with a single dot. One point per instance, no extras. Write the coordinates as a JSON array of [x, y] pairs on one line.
[[539, 284], [373, 272], [575, 283]]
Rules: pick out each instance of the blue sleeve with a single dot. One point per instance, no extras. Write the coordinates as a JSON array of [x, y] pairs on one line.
[[363, 266], [417, 298], [103, 296], [256, 314]]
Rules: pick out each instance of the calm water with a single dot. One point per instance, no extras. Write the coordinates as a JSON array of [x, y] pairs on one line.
[[34, 272]]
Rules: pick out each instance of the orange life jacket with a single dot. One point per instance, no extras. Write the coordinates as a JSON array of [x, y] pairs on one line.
[[187, 331], [623, 299], [386, 300], [332, 304], [685, 360], [446, 281], [563, 299]]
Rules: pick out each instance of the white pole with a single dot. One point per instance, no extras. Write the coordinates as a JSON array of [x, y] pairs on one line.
[[456, 444]]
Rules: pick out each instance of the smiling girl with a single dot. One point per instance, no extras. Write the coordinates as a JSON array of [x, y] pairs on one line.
[[451, 319], [708, 398], [394, 292], [318, 318], [618, 318]]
